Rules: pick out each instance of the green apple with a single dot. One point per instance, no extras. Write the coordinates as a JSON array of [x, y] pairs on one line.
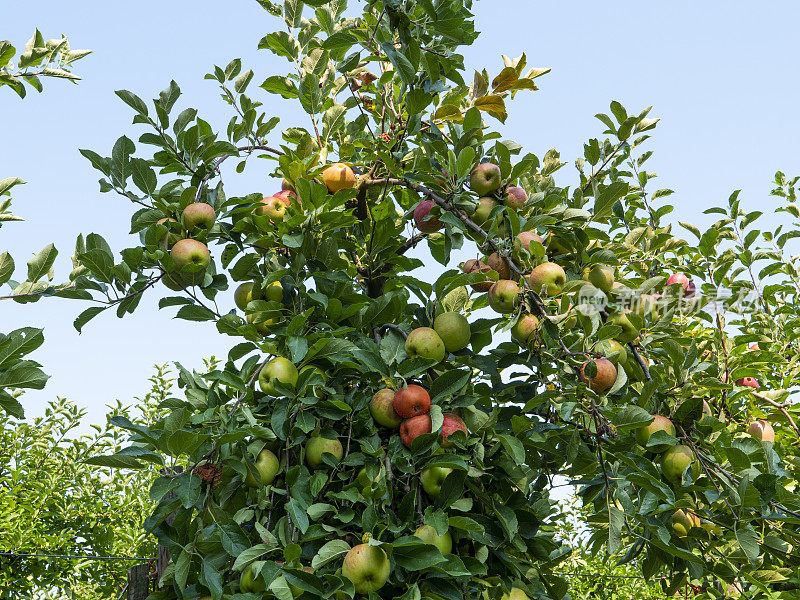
[[485, 179], [262, 326], [428, 534], [198, 214], [249, 583], [246, 293], [549, 276], [683, 521], [485, 207], [629, 331], [425, 343], [432, 479], [674, 462], [367, 567], [600, 276], [317, 445], [278, 369], [381, 409], [524, 330], [453, 329], [660, 423], [613, 351], [272, 207], [267, 465], [191, 259], [365, 483], [273, 292], [503, 296]]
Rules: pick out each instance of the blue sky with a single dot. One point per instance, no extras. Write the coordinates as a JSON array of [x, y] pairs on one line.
[[719, 75]]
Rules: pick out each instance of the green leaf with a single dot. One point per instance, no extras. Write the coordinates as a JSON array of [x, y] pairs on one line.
[[41, 263], [87, 315], [329, 552], [6, 267], [448, 384], [133, 101]]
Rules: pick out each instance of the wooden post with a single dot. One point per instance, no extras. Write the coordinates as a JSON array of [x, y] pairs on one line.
[[138, 582]]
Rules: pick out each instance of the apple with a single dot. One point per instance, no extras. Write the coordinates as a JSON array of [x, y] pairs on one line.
[[683, 521], [549, 276], [427, 533], [262, 326], [477, 266], [425, 343], [485, 207], [267, 465], [278, 369], [198, 214], [500, 264], [629, 331], [674, 462], [248, 583], [246, 293], [317, 445], [411, 401], [660, 423], [613, 351], [453, 329], [432, 479], [485, 179], [287, 197], [686, 283], [523, 242], [600, 276], [367, 567], [422, 221], [516, 594], [516, 197], [365, 484], [272, 207], [751, 382], [524, 330], [188, 251], [339, 176], [503, 296], [169, 240], [762, 430], [413, 427], [605, 378], [382, 411], [452, 423], [274, 292]]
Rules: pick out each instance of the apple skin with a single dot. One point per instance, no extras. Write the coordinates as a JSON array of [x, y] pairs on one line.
[[762, 430], [246, 293], [499, 264], [453, 329], [605, 378], [751, 382], [523, 242], [485, 207], [674, 462], [422, 210], [317, 445], [262, 326], [683, 521], [485, 179], [248, 583], [444, 543], [413, 427], [503, 296], [199, 214], [425, 343], [548, 275], [188, 251], [278, 369], [660, 423], [452, 423], [339, 176], [267, 465], [432, 478], [516, 197], [288, 197], [411, 401], [478, 266], [609, 347], [629, 332], [524, 330], [272, 207], [382, 411], [686, 283], [600, 276], [367, 567]]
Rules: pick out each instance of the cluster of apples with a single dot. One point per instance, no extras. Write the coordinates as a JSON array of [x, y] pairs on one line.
[[190, 257]]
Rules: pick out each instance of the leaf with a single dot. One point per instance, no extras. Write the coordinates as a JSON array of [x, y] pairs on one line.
[[194, 312], [143, 176], [24, 375], [329, 552], [115, 461], [494, 105], [513, 447], [402, 65], [41, 263], [18, 343], [448, 384], [6, 267], [133, 101], [86, 316]]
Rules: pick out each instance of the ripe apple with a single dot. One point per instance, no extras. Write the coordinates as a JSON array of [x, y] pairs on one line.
[[411, 401], [660, 423], [278, 369], [605, 378], [516, 197], [674, 462], [600, 276], [425, 343], [413, 427], [248, 583], [188, 251], [246, 293], [267, 465], [198, 214], [287, 197], [523, 242], [317, 445], [452, 423], [485, 207], [503, 296], [339, 176], [500, 264], [683, 521], [381, 409], [169, 240], [424, 223], [549, 276], [432, 479], [762, 430], [367, 567], [453, 329], [524, 330], [686, 283], [477, 266], [751, 382], [271, 207], [485, 179], [629, 331], [427, 533]]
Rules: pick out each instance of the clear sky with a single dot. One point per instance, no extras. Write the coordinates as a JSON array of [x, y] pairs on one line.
[[721, 76]]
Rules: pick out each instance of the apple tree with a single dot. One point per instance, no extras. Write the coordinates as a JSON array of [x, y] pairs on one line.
[[375, 431]]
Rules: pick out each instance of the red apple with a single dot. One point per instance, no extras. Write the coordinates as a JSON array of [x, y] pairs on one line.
[[411, 401], [686, 283], [477, 266], [762, 430], [515, 197], [452, 422], [748, 382], [413, 427], [422, 221], [485, 179]]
